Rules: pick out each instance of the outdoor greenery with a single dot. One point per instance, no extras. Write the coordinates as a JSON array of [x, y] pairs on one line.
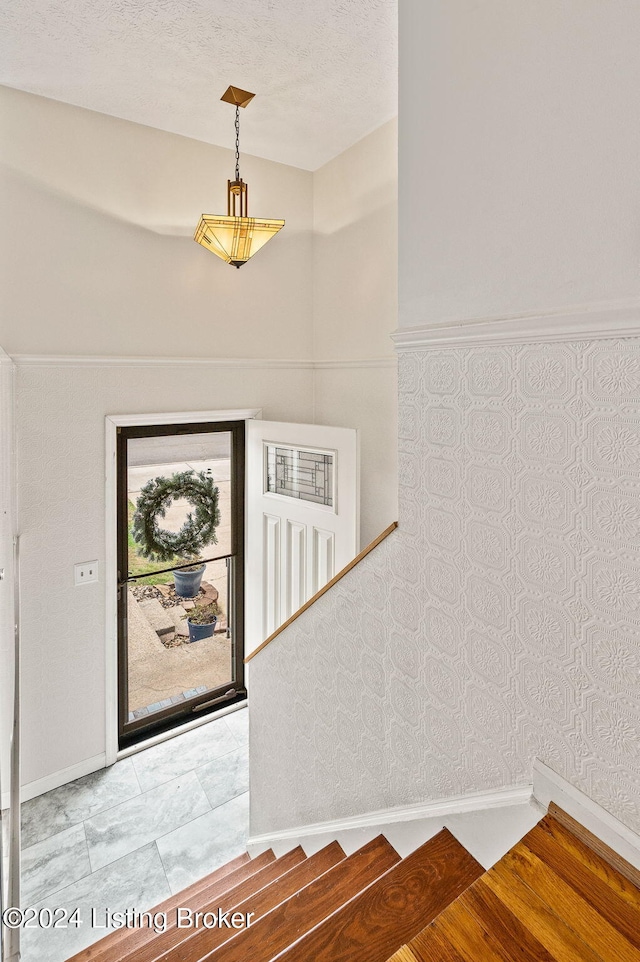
[[203, 614], [138, 564], [199, 528]]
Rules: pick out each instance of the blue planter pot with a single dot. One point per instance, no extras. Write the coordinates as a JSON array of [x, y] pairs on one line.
[[198, 632], [188, 582]]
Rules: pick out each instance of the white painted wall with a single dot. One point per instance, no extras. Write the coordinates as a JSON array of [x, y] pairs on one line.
[[355, 219], [355, 310], [519, 155], [97, 248], [98, 261], [61, 486], [365, 397]]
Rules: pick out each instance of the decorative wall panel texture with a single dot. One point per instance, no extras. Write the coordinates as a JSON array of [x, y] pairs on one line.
[[499, 623]]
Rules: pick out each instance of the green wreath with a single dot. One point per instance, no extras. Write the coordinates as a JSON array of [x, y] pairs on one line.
[[199, 529]]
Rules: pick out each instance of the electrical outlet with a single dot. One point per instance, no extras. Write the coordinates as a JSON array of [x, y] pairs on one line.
[[85, 572]]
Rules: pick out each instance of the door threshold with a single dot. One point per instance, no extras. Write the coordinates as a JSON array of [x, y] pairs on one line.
[[178, 730]]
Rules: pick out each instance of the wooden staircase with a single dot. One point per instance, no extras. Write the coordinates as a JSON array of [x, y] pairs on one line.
[[559, 895], [554, 896]]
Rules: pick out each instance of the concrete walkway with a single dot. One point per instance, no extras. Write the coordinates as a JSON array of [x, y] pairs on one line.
[[160, 675]]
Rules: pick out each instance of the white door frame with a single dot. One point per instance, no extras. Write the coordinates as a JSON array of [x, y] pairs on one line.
[[112, 423]]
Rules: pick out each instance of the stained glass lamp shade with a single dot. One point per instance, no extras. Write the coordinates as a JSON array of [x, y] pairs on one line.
[[236, 237]]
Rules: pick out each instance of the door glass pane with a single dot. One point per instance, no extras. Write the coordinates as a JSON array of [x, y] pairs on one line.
[[297, 473], [167, 665], [160, 459]]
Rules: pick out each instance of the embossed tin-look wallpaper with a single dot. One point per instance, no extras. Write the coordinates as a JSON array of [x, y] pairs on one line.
[[500, 622]]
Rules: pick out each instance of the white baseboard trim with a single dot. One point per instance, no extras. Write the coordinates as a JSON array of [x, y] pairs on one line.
[[550, 787], [604, 321], [56, 779], [459, 804]]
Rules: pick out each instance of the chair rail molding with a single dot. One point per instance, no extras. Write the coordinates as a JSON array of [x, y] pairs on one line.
[[619, 319], [223, 363], [97, 360]]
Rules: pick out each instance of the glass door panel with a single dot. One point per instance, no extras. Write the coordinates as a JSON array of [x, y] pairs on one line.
[[181, 536]]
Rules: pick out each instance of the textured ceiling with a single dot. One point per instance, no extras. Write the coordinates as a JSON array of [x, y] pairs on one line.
[[324, 71]]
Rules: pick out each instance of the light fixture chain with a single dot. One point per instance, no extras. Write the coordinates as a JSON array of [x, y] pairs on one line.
[[237, 143]]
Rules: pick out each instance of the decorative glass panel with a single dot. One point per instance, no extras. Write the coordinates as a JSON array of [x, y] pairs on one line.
[[294, 473]]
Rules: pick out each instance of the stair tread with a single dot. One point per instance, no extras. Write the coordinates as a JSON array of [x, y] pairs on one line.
[[437, 949], [591, 889], [404, 954], [118, 944], [212, 901], [469, 938], [387, 914], [551, 898], [586, 840], [309, 906], [201, 944], [621, 882], [508, 930], [588, 922], [562, 943]]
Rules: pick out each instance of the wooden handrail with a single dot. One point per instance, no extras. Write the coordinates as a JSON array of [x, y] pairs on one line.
[[365, 551]]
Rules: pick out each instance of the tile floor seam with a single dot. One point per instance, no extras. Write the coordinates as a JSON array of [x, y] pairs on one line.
[[164, 869], [48, 894], [87, 875], [98, 871], [87, 817], [195, 769], [135, 772], [169, 861], [86, 841], [219, 804], [221, 728], [212, 808], [173, 829]]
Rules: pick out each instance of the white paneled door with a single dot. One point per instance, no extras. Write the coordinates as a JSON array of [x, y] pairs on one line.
[[302, 517]]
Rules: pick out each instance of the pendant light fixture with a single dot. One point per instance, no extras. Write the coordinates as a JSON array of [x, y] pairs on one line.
[[236, 237]]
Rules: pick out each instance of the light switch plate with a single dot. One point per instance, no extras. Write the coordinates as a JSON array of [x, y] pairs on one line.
[[85, 572]]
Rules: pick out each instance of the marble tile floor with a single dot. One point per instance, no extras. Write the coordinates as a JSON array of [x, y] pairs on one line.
[[133, 834]]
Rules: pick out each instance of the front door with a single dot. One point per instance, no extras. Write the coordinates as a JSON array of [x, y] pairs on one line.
[[302, 517]]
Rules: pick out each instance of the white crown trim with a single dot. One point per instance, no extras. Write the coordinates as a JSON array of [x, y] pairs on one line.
[[613, 321]]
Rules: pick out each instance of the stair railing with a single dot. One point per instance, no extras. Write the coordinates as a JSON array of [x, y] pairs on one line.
[[358, 558]]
